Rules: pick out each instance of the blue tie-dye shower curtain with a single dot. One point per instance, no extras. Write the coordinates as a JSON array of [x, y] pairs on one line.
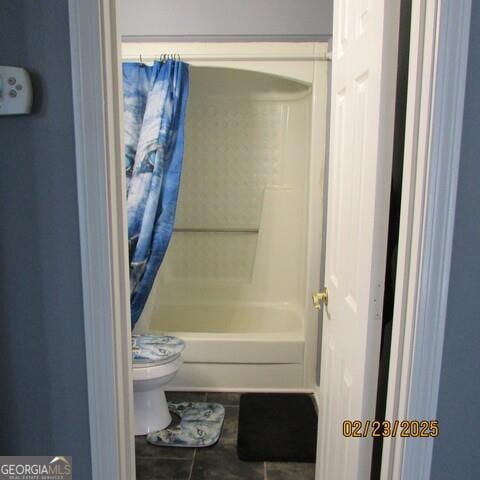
[[154, 114]]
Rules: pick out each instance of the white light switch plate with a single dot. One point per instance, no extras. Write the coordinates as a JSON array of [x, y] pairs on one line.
[[15, 91]]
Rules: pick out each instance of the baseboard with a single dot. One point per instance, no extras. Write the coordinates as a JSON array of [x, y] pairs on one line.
[[316, 399], [242, 390]]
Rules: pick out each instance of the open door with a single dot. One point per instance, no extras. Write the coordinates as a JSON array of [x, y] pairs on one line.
[[364, 65]]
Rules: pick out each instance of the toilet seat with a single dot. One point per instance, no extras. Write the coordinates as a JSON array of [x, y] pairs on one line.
[[152, 350]]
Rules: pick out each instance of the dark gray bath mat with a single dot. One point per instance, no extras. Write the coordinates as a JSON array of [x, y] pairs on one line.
[[277, 428]]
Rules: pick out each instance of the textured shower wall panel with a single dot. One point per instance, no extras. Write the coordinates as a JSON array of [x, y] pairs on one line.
[[210, 256], [244, 187], [233, 151]]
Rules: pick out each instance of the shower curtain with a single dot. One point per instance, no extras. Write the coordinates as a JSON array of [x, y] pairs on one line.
[[154, 114]]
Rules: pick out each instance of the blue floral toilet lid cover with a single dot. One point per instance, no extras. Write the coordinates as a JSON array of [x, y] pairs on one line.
[[155, 349]]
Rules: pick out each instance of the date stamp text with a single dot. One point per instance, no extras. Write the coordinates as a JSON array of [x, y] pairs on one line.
[[396, 428]]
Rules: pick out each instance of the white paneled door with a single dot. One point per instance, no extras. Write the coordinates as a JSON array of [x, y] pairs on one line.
[[364, 65]]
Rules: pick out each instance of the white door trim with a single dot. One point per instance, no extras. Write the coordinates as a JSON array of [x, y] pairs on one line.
[[436, 93], [434, 124], [100, 183]]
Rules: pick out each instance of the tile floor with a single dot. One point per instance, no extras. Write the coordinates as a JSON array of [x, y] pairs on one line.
[[219, 462]]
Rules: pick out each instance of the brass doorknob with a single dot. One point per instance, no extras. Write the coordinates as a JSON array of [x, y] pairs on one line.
[[319, 298]]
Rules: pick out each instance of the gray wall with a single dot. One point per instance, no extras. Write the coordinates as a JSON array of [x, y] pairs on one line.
[[43, 400], [218, 19], [456, 452]]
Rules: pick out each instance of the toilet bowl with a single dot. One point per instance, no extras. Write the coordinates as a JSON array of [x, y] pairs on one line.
[[155, 360]]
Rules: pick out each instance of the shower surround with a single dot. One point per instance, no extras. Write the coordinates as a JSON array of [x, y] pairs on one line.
[[233, 281]]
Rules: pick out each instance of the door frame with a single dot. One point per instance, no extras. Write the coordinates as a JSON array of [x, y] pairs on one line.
[[96, 78], [435, 103], [437, 72]]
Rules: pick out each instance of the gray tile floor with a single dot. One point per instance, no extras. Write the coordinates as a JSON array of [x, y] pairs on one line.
[[219, 462]]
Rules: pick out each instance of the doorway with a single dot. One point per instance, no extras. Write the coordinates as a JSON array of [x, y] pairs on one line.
[[117, 338]]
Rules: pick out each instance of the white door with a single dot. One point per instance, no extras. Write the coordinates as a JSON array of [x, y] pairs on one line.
[[362, 117]]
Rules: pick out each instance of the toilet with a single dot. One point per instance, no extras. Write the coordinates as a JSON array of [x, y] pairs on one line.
[[155, 361]]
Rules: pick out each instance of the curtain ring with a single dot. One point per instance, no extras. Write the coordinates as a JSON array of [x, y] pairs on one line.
[[169, 56]]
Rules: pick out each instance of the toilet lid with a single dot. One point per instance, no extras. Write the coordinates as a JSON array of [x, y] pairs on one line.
[[148, 350]]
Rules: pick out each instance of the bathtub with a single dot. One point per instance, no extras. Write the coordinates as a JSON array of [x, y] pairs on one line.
[[235, 346]]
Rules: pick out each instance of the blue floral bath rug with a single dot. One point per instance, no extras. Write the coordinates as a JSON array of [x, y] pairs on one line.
[[200, 425]]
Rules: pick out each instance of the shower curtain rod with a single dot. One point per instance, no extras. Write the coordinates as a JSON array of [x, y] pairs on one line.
[[229, 58]]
